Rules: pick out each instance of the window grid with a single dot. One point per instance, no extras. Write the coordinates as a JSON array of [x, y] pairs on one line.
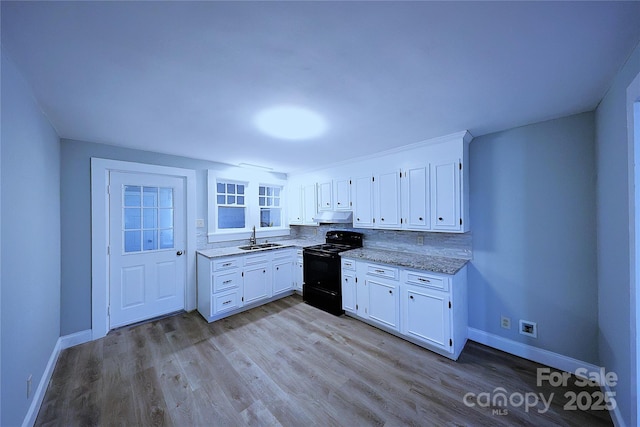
[[231, 201], [270, 208], [147, 218]]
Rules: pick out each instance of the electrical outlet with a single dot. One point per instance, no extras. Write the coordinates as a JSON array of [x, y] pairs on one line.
[[505, 322], [529, 328], [29, 386], [420, 240], [199, 223]]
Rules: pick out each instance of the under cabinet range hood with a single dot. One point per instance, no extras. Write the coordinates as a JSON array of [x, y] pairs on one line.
[[334, 217]]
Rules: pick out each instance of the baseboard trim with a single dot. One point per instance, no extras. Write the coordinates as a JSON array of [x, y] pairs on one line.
[[38, 397], [545, 357]]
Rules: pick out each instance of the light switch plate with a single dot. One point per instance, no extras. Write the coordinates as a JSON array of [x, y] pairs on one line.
[[200, 223]]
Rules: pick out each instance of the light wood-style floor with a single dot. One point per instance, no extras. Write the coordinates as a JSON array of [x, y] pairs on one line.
[[289, 364]]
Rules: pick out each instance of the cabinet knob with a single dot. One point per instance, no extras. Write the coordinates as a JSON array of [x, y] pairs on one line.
[[277, 268], [357, 219], [420, 219], [391, 292], [440, 219], [410, 296], [339, 203], [264, 271], [381, 219]]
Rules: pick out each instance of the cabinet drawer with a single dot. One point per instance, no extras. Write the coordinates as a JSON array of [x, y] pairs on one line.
[[280, 254], [226, 280], [256, 259], [424, 279], [348, 264], [299, 253], [226, 264], [382, 271], [226, 301]]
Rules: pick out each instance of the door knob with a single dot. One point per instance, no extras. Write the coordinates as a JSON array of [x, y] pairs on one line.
[[179, 253]]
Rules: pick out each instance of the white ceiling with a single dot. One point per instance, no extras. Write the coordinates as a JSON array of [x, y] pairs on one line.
[[188, 78]]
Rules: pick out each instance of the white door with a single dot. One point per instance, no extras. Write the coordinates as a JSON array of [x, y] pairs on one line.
[[147, 226]]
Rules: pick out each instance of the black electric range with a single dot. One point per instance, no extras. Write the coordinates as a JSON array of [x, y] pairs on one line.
[[322, 287]]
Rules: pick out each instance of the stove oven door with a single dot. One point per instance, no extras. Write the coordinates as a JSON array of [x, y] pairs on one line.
[[322, 286]]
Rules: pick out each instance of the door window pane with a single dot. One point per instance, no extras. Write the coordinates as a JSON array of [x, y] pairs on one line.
[[144, 224]]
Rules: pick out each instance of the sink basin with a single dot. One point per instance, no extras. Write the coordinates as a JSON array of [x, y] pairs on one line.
[[259, 246]]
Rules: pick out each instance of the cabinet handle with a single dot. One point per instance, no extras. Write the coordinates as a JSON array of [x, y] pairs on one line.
[[440, 219], [357, 219], [346, 280], [226, 264], [339, 203], [227, 281], [410, 296], [381, 219], [380, 271], [264, 271], [420, 219], [226, 302], [424, 280], [391, 292], [277, 268]]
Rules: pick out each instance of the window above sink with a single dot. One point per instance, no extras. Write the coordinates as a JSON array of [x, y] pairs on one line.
[[239, 199]]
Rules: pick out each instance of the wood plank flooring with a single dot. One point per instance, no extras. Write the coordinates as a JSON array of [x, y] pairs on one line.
[[287, 363]]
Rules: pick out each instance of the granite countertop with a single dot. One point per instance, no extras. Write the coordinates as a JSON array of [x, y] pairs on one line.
[[233, 250], [436, 264]]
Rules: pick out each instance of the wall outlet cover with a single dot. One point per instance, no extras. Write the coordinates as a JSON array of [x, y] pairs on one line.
[[505, 322]]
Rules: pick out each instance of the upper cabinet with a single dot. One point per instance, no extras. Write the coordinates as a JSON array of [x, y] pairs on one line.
[[422, 187], [325, 196], [342, 194], [302, 204]]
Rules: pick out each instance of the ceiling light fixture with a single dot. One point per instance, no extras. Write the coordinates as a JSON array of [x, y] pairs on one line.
[[289, 122]]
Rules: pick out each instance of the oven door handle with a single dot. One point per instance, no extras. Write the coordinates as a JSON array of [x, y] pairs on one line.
[[319, 254]]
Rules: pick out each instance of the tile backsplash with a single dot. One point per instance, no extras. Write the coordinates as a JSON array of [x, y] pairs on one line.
[[453, 245]]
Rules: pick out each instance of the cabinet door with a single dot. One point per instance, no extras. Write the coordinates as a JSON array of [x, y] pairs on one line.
[[299, 274], [387, 201], [325, 199], [415, 193], [426, 316], [309, 198], [342, 194], [256, 283], [384, 303], [294, 195], [282, 276], [445, 196], [362, 202], [349, 291]]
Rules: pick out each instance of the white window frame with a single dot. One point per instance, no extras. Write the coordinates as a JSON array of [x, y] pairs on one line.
[[252, 180], [281, 198], [218, 205]]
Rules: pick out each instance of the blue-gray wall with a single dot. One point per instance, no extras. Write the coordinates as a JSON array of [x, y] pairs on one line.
[[613, 235], [532, 192], [30, 243]]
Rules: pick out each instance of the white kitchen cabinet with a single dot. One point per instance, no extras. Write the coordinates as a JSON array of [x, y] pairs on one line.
[[415, 198], [282, 270], [384, 303], [362, 197], [294, 205], [256, 283], [446, 212], [349, 285], [387, 200], [309, 200], [342, 194], [228, 285], [298, 274], [428, 309], [325, 196], [426, 315]]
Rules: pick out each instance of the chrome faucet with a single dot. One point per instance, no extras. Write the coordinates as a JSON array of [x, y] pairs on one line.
[[252, 239]]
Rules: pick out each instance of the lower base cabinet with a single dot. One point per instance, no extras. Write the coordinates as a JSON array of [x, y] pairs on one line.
[[428, 309], [229, 285]]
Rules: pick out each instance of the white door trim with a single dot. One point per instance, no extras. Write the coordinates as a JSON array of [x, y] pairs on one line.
[[100, 169], [633, 134]]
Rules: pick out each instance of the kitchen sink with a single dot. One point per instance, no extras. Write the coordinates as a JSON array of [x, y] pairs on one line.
[[259, 246]]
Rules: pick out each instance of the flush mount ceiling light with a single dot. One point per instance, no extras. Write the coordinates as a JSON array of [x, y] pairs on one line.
[[287, 122]]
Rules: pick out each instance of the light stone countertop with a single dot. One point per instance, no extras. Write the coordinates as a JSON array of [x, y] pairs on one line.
[[436, 264], [234, 250]]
